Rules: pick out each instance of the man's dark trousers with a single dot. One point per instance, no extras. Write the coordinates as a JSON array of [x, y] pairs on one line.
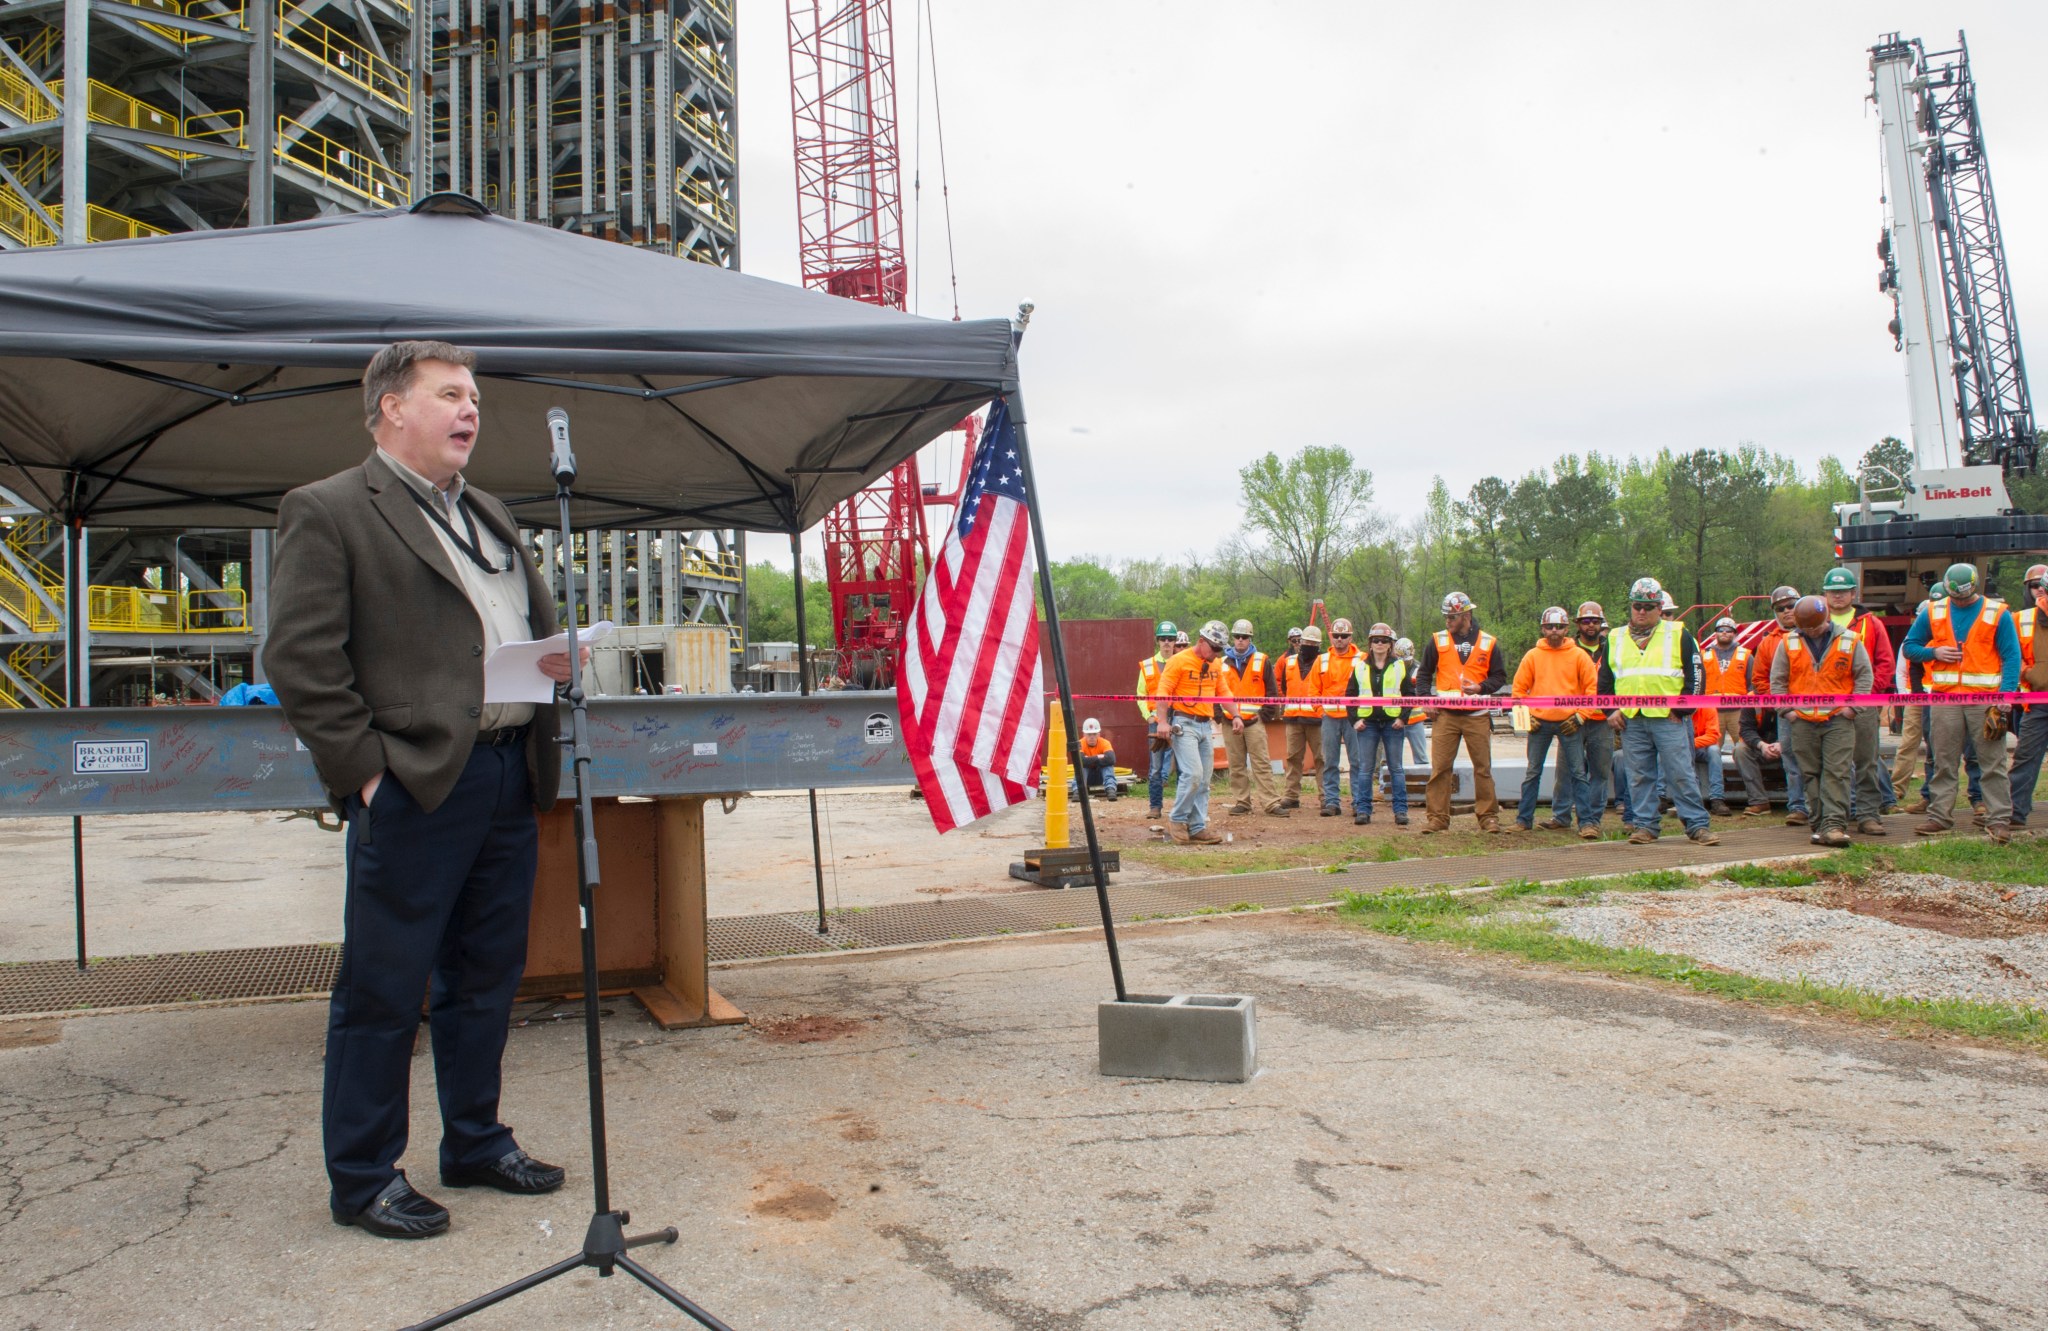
[[437, 898]]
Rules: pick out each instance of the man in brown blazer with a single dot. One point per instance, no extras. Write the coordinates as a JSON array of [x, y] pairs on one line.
[[393, 582]]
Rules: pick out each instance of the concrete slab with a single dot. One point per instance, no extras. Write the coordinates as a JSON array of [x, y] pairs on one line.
[[920, 1139]]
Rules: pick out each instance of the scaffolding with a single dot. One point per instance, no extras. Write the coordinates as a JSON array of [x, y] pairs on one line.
[[206, 114], [617, 120]]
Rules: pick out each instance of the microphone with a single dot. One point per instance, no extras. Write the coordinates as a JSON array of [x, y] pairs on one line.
[[562, 459]]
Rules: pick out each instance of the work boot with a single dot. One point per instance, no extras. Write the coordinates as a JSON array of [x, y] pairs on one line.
[[1331, 811], [1980, 815], [1154, 812], [1889, 809], [1918, 806], [1834, 837], [1208, 836], [1755, 809], [1290, 804], [1361, 819], [1931, 828], [1797, 818], [1491, 826], [1703, 836], [1589, 834], [1433, 828], [1179, 832], [2000, 833], [1870, 827], [1109, 794], [1242, 806], [1642, 836], [1555, 824], [1400, 820], [1720, 809], [1278, 808]]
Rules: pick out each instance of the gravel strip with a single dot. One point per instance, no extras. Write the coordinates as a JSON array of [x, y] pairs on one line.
[[1761, 934]]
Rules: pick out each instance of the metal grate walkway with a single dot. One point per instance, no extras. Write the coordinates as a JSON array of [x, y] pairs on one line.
[[307, 970]]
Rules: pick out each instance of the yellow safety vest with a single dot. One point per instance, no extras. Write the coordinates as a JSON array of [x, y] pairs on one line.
[[1148, 680], [1390, 683], [1656, 668]]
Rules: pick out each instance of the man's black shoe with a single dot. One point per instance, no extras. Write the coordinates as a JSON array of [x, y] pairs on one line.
[[515, 1171], [399, 1213]]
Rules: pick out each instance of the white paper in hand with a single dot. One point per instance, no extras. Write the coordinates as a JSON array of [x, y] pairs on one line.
[[512, 674]]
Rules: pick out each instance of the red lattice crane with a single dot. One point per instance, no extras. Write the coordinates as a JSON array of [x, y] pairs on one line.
[[850, 229]]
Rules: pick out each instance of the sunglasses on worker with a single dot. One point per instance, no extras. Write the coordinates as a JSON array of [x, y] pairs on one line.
[[1241, 637]]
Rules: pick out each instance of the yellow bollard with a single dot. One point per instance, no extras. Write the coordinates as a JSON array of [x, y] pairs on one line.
[[1056, 770]]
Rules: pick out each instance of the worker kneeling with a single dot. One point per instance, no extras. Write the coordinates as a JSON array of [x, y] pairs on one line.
[[1098, 759], [1821, 659]]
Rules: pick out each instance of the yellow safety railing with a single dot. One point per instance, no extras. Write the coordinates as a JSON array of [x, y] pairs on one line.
[[26, 100], [298, 29], [110, 106], [346, 168], [18, 220], [223, 611], [27, 661], [24, 604], [721, 567], [106, 224], [706, 200], [704, 56], [39, 48], [229, 127], [722, 8], [705, 126], [232, 17], [31, 168]]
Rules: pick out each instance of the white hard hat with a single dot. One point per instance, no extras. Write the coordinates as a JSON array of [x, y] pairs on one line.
[[1091, 727], [1243, 626]]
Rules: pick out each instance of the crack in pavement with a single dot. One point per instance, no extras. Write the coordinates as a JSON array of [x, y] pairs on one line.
[[1290, 1297]]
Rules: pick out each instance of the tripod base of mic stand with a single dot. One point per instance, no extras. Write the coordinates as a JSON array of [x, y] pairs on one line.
[[604, 1247]]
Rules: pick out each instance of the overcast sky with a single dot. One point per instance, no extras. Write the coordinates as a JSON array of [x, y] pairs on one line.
[[1457, 239]]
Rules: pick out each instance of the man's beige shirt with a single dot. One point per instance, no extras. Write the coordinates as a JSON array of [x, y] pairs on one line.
[[500, 598]]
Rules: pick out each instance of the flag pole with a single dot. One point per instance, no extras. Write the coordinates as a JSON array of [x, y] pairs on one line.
[[1066, 692]]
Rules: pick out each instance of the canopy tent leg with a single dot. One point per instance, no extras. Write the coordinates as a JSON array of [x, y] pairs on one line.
[[803, 687], [75, 681]]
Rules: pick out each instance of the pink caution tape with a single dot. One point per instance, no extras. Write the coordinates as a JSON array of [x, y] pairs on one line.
[[1605, 701]]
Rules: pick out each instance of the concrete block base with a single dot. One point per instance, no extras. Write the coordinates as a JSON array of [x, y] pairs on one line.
[[1190, 1037]]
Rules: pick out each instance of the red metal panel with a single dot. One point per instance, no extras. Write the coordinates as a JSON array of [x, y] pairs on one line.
[[1103, 657]]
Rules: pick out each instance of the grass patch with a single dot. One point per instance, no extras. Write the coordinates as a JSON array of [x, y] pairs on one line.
[[1395, 845], [1973, 858], [1471, 922], [1767, 875]]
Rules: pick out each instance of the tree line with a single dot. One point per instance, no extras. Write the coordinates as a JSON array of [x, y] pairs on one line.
[[1712, 525]]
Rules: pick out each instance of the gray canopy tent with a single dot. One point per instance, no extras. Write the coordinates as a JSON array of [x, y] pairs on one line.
[[190, 380]]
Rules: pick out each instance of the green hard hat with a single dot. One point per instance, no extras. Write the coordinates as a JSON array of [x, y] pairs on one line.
[[1960, 578], [1938, 592], [1166, 629], [1838, 580]]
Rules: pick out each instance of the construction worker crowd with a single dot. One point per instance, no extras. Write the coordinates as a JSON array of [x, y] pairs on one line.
[[1636, 761]]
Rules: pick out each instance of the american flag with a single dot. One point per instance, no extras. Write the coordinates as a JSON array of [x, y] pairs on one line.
[[970, 690]]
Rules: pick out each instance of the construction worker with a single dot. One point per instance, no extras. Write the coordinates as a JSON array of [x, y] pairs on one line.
[[1606, 776], [1294, 640], [1333, 672], [1303, 721], [1970, 645], [1873, 794], [2033, 727], [1913, 744], [1378, 673], [1654, 656], [1724, 665], [1555, 667], [1248, 673], [1667, 608], [1188, 724], [1783, 599], [1098, 759], [1821, 657], [1161, 762], [1706, 745], [1460, 660], [1405, 649]]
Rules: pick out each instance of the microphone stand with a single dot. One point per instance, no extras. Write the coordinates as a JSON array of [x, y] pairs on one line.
[[605, 1243]]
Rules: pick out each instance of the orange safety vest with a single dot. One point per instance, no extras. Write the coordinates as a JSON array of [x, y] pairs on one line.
[[1296, 683], [2024, 621], [1835, 674], [1093, 746], [1333, 672], [1729, 679], [1247, 683], [1451, 673], [1980, 669], [1706, 728]]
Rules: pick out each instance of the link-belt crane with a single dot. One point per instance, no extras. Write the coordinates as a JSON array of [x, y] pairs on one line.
[[1972, 420]]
